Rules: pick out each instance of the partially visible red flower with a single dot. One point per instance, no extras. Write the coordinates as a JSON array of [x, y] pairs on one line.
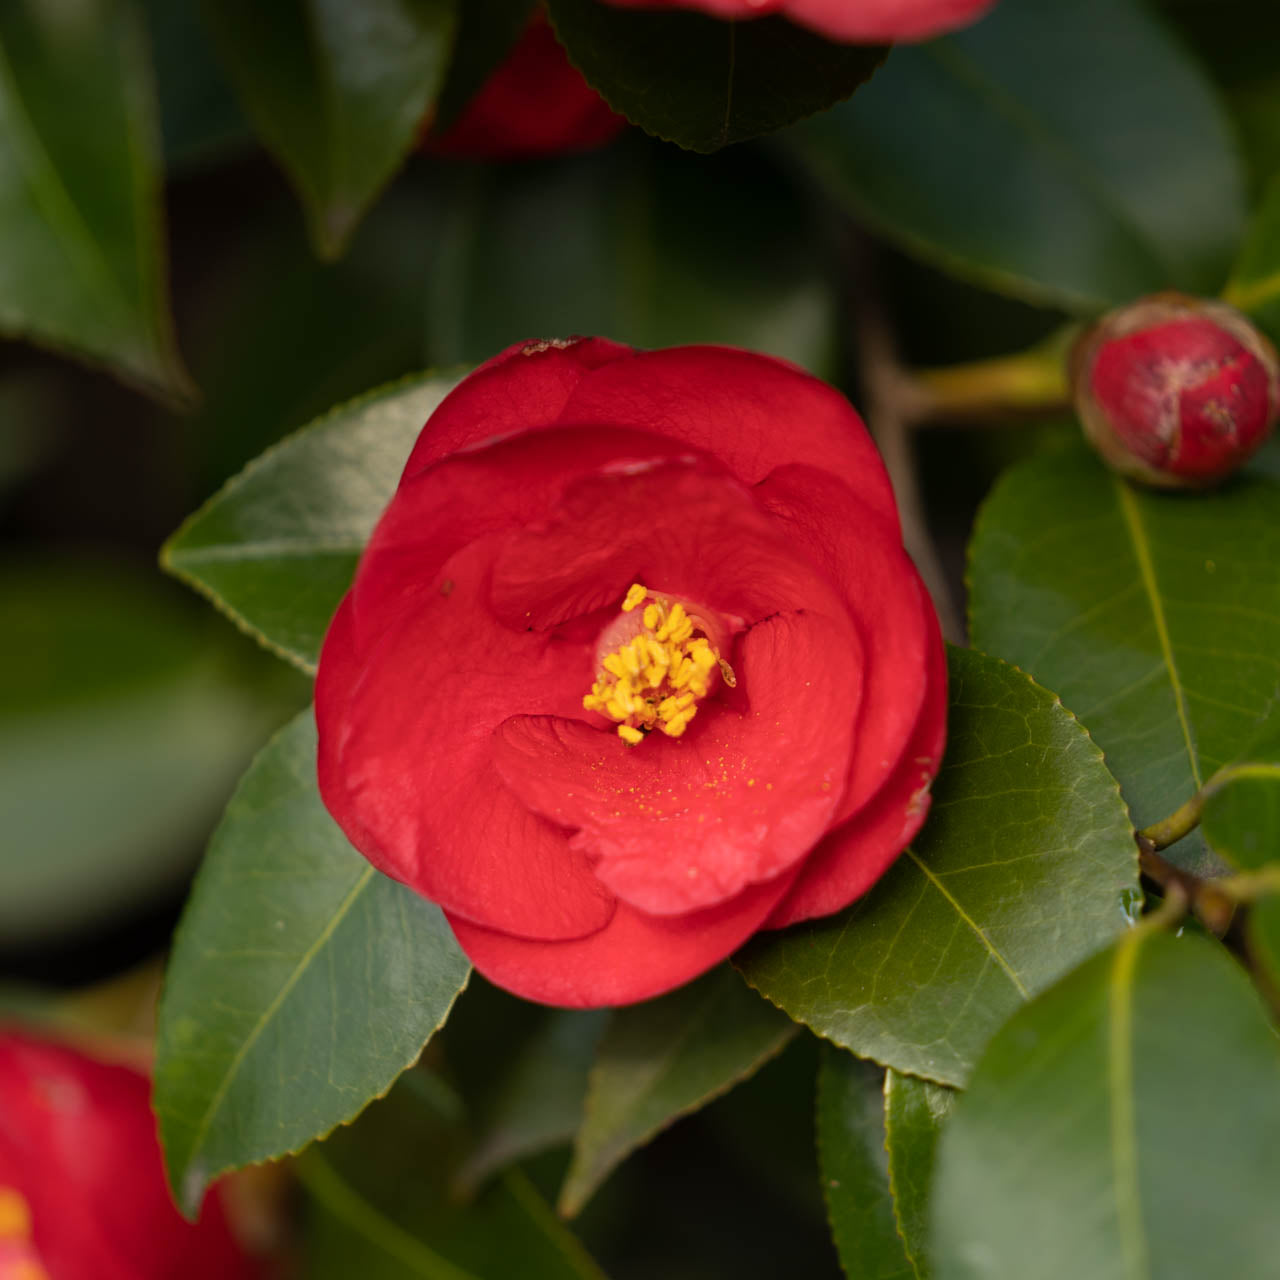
[[82, 1192], [848, 21], [633, 666], [535, 103]]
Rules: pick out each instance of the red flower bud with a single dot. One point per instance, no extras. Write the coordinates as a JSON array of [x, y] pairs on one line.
[[1175, 391], [82, 1192]]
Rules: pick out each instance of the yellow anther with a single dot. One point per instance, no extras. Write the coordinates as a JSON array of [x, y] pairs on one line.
[[677, 725], [655, 679]]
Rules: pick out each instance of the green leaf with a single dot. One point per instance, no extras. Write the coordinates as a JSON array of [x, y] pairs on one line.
[[276, 547], [1026, 866], [702, 82], [1126, 1124], [1156, 617], [915, 1112], [1035, 158], [641, 242], [302, 981], [337, 92], [1255, 281], [537, 1101], [381, 1206], [855, 1169], [661, 1060], [122, 731], [486, 32], [83, 267], [1241, 818]]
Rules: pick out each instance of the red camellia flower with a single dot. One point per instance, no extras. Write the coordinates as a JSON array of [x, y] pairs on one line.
[[848, 21], [1174, 391], [535, 103], [82, 1192], [633, 666]]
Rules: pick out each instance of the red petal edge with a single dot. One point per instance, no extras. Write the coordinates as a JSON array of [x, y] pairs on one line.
[[635, 957]]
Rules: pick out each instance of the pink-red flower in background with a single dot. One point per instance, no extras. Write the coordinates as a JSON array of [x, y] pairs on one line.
[[847, 21], [536, 103], [633, 666], [82, 1191]]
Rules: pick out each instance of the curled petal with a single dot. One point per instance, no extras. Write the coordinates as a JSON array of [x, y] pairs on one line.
[[634, 957], [675, 825], [859, 851], [405, 760], [523, 388], [895, 618], [752, 412]]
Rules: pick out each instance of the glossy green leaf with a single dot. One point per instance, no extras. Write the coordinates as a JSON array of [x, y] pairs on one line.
[[380, 1204], [855, 1169], [1255, 281], [276, 547], [337, 91], [662, 1059], [915, 1111], [702, 82], [1156, 617], [1026, 866], [83, 268], [485, 34], [122, 731], [1241, 817], [1036, 158], [640, 242], [302, 981], [537, 1100], [1125, 1125]]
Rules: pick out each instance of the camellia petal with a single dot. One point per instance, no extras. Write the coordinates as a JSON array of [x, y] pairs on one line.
[[740, 797], [635, 957], [848, 21], [859, 851], [730, 404], [523, 388], [816, 508], [441, 819]]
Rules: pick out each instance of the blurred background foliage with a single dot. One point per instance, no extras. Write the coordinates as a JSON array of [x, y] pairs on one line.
[[128, 709]]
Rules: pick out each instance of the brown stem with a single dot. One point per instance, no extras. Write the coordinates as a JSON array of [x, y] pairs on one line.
[[1210, 905], [892, 400]]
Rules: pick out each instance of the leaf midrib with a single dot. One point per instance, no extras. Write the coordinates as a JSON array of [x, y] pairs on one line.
[[992, 950], [1147, 574], [260, 1025]]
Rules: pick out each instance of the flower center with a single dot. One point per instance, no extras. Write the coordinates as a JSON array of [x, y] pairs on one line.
[[656, 667], [18, 1260]]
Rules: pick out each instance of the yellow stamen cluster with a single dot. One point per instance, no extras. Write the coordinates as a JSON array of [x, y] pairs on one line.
[[656, 679]]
